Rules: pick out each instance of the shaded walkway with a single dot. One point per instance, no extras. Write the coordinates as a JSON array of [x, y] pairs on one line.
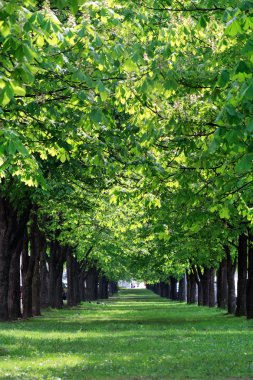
[[135, 335]]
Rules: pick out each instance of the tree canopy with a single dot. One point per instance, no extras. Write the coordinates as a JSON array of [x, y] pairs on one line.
[[128, 125]]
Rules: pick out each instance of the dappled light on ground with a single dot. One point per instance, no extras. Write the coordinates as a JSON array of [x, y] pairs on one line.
[[135, 335]]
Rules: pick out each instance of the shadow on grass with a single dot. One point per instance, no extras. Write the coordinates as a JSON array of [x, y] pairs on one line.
[[147, 339]]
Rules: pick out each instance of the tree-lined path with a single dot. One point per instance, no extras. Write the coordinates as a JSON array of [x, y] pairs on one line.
[[134, 335]]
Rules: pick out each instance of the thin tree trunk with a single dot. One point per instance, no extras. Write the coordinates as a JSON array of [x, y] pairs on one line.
[[191, 288], [231, 268], [27, 275], [242, 275], [44, 279], [38, 247], [249, 296], [182, 289], [14, 292], [56, 263], [103, 288], [198, 276], [173, 292], [72, 275], [110, 289], [205, 284], [162, 289], [77, 271], [222, 285], [211, 287]]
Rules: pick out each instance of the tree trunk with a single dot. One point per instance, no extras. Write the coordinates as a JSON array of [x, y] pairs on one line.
[[231, 268], [44, 279], [81, 284], [173, 291], [35, 240], [182, 289], [103, 288], [14, 292], [110, 289], [162, 289], [53, 247], [72, 274], [191, 288], [27, 274], [249, 296], [77, 271], [211, 287], [167, 289], [198, 276], [92, 284], [12, 230], [222, 284], [56, 261], [205, 284], [242, 275]]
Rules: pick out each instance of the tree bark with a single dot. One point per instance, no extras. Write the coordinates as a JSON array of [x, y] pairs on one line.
[[231, 268], [73, 294], [36, 246], [44, 279], [222, 284], [198, 276], [110, 289], [249, 295], [27, 274], [92, 284], [81, 284], [191, 288], [173, 286], [12, 230], [242, 275], [14, 292], [205, 284], [182, 290], [211, 287], [103, 288], [163, 292], [56, 261]]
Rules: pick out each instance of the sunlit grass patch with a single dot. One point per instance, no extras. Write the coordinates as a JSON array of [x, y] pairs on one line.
[[134, 336]]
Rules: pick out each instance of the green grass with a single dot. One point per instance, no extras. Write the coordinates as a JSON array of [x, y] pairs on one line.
[[135, 335]]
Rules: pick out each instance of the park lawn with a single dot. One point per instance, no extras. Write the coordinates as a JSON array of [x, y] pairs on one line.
[[135, 335]]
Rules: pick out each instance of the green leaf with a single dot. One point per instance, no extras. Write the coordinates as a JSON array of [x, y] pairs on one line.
[[130, 66], [6, 94], [233, 28], [213, 146], [96, 115], [18, 90], [224, 213], [248, 92], [12, 148], [250, 125], [73, 6], [245, 164], [246, 5], [170, 84], [224, 78]]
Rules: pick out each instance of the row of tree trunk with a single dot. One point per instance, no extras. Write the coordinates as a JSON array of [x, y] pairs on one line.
[[31, 269], [198, 285]]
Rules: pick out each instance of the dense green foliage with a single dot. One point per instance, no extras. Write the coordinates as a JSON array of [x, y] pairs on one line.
[[129, 126]]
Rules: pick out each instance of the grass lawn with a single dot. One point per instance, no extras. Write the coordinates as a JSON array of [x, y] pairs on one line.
[[135, 335]]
